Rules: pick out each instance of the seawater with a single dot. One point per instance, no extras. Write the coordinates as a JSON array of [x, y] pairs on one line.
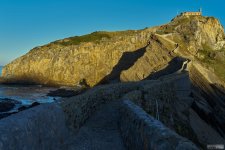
[[26, 94]]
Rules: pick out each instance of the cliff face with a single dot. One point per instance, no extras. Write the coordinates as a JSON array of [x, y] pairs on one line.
[[185, 55], [63, 64], [106, 56], [196, 33]]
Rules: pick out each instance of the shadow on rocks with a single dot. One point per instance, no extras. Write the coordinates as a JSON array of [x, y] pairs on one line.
[[65, 93]]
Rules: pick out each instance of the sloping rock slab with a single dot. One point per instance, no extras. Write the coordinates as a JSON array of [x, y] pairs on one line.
[[38, 128]]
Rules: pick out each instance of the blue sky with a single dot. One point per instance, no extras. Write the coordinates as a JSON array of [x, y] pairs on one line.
[[25, 24]]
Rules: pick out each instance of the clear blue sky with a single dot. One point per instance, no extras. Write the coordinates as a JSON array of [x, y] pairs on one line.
[[25, 24]]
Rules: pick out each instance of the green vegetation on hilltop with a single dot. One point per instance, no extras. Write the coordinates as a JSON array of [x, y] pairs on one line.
[[76, 40], [215, 60], [95, 37]]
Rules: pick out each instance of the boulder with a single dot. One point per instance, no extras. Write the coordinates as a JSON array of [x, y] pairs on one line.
[[7, 104]]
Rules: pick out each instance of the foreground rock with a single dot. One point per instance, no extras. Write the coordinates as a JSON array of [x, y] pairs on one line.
[[169, 99], [141, 131], [42, 127], [101, 131], [98, 118], [100, 127]]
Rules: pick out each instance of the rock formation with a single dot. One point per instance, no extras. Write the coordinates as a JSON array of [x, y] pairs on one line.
[[126, 56], [179, 66]]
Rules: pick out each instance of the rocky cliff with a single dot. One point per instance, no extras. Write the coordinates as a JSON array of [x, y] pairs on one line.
[[102, 57], [179, 66]]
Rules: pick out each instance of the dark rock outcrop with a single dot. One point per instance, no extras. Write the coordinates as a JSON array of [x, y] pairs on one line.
[[7, 104], [27, 107], [65, 93]]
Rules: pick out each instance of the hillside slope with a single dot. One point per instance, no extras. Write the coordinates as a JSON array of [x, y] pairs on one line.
[[103, 57]]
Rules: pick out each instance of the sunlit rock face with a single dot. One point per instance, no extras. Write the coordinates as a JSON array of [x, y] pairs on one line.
[[101, 57], [196, 32], [57, 63]]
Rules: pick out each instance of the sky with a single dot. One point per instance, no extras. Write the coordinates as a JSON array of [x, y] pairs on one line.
[[25, 24]]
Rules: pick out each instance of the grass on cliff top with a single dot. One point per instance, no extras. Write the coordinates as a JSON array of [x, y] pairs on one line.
[[211, 61], [170, 27], [95, 37]]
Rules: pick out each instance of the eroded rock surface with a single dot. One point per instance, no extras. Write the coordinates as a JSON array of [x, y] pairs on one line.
[[125, 56], [41, 127], [185, 95]]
